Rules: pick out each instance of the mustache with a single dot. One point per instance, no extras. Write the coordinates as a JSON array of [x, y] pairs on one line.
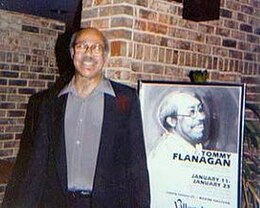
[[88, 59], [199, 123]]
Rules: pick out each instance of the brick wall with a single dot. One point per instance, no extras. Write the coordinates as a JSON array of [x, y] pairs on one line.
[[27, 65], [149, 39]]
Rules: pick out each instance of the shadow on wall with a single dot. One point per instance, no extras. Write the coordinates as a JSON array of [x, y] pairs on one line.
[[63, 59], [62, 52]]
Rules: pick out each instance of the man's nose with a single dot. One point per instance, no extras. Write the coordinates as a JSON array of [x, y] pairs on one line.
[[201, 115], [88, 51]]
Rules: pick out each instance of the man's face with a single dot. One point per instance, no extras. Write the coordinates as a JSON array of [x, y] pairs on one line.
[[191, 119], [88, 54]]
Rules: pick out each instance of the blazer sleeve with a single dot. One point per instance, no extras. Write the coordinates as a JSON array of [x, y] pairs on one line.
[[25, 150], [139, 190], [29, 188]]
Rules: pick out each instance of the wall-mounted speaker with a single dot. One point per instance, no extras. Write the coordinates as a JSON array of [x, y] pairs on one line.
[[201, 10]]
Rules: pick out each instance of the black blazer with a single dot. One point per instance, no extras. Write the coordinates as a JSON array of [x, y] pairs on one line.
[[121, 176]]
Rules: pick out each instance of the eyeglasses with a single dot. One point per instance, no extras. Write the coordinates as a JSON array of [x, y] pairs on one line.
[[95, 49], [193, 112]]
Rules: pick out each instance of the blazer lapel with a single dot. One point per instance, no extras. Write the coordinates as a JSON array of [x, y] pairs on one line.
[[106, 141], [58, 138]]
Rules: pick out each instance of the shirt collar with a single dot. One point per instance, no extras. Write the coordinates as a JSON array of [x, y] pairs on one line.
[[103, 87]]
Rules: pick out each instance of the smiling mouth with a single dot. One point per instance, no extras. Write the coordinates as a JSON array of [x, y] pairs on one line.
[[199, 127], [86, 63]]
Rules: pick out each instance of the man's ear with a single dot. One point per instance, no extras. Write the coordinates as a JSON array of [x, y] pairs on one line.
[[72, 53], [171, 121]]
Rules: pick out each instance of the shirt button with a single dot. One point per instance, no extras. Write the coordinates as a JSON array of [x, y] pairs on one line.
[[77, 142], [80, 120]]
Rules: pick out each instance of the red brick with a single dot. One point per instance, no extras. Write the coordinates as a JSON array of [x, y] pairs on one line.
[[100, 23], [46, 77], [121, 75], [122, 22], [6, 136], [181, 33], [6, 152], [164, 18], [143, 3], [140, 76], [206, 28], [19, 58], [19, 68], [201, 48], [102, 2], [28, 75], [252, 38], [118, 33], [136, 66], [231, 24], [139, 51], [223, 32], [181, 59], [118, 48], [148, 15], [12, 144], [156, 28], [14, 128], [214, 75], [173, 71], [153, 68], [186, 24], [140, 25], [233, 5], [118, 62], [247, 9], [196, 36], [17, 82], [168, 56], [238, 35], [213, 40], [147, 53], [225, 13], [175, 57], [37, 83], [241, 17], [185, 45], [162, 54], [7, 105], [116, 10], [15, 113], [9, 74], [154, 54]]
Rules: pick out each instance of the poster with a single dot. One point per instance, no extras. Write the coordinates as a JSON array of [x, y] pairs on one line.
[[193, 138]]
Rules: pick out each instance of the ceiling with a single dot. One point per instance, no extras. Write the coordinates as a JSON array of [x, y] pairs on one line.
[[68, 11]]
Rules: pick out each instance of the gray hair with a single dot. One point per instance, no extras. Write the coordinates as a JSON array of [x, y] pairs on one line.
[[169, 107]]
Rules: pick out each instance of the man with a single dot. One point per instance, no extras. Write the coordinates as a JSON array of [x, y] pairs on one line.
[[183, 117], [88, 145]]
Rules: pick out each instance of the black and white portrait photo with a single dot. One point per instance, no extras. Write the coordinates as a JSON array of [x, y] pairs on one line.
[[193, 140]]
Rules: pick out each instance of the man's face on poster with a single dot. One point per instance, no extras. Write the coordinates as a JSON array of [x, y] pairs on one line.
[[190, 119]]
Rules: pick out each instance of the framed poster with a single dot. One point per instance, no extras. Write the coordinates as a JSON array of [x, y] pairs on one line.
[[193, 137]]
